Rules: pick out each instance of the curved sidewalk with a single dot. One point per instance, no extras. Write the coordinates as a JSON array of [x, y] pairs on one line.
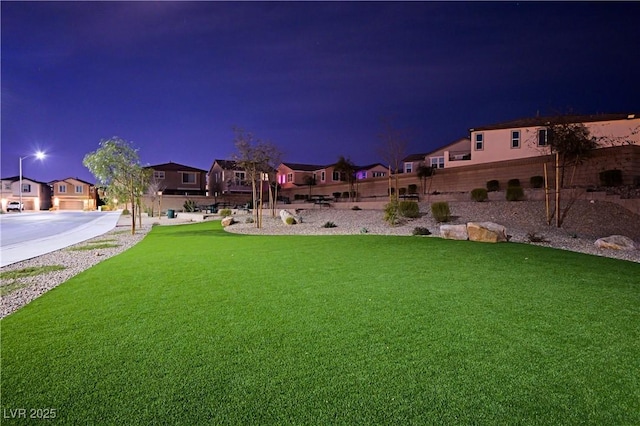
[[18, 252]]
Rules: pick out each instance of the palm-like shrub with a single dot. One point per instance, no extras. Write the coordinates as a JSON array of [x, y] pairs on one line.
[[409, 209], [479, 194]]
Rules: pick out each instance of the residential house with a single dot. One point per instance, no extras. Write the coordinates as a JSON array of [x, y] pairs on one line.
[[178, 179], [527, 137], [371, 171], [291, 175], [226, 177], [74, 194], [458, 150], [35, 195]]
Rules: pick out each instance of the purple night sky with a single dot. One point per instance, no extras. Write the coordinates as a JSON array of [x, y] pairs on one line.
[[314, 78]]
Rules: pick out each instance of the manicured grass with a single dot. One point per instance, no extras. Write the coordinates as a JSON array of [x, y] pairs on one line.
[[194, 325]]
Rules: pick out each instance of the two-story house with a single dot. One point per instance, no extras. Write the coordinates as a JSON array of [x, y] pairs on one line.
[[456, 151], [74, 194], [226, 177], [35, 195], [527, 137], [178, 179]]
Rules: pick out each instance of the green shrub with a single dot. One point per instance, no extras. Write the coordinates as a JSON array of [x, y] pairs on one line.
[[493, 186], [611, 178], [329, 224], [536, 181], [513, 182], [409, 209], [391, 212], [126, 211], [418, 230], [189, 206], [290, 221], [413, 188], [440, 211], [225, 212], [249, 220], [364, 230], [479, 194], [515, 193]]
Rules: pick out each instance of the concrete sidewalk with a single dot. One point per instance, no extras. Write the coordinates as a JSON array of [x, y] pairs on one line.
[[19, 252]]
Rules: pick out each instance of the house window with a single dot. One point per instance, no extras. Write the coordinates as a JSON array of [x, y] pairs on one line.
[[188, 177], [61, 189], [408, 167], [379, 174], [79, 189], [336, 176], [158, 174], [289, 177], [7, 186], [479, 139], [542, 137], [26, 187], [322, 176], [437, 162], [515, 139]]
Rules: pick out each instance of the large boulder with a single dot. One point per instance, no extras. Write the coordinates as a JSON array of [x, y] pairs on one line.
[[284, 214], [227, 221], [487, 232], [616, 242], [454, 232]]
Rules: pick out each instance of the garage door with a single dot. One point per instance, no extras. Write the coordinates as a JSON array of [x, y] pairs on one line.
[[71, 205]]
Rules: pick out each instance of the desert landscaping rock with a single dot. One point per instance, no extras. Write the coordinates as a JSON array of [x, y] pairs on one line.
[[454, 232], [227, 221], [285, 214], [487, 232], [615, 242]]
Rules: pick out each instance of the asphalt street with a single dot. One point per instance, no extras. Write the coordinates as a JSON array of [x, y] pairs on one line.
[[26, 235]]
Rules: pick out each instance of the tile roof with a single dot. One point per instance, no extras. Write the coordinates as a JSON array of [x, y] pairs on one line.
[[543, 121], [171, 166], [304, 167]]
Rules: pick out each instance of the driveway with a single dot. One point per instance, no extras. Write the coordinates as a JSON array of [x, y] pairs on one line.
[[26, 235]]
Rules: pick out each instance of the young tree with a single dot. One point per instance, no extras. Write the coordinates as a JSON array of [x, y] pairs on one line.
[[571, 143], [423, 171], [347, 169], [310, 180], [256, 157], [393, 148], [116, 166]]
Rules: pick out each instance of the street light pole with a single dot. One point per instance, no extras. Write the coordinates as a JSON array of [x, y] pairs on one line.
[[39, 155]]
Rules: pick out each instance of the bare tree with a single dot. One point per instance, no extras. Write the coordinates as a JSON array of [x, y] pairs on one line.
[[153, 190], [393, 148], [256, 157]]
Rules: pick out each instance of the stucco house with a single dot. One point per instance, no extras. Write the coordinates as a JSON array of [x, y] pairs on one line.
[[527, 137], [74, 194], [178, 179], [456, 151], [375, 170], [291, 175], [226, 177], [35, 195]]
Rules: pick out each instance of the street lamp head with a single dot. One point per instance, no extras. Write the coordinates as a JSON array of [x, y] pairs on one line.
[[40, 155]]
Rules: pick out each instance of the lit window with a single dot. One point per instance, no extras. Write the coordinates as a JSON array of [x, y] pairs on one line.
[[515, 139], [542, 137], [479, 141]]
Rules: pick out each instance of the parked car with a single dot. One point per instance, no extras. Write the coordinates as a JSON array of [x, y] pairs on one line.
[[15, 205]]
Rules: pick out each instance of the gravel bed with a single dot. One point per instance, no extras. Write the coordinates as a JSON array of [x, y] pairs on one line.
[[585, 223]]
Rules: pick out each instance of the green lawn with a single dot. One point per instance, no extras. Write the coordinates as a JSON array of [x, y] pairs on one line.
[[194, 325]]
